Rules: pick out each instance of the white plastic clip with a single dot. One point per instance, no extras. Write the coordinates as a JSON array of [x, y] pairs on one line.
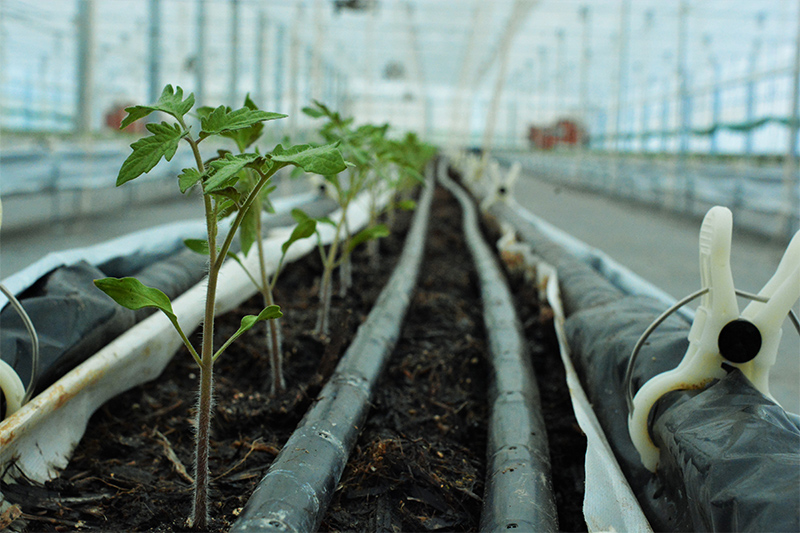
[[719, 333], [502, 184]]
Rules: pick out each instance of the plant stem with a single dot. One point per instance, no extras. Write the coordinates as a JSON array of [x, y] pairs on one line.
[[206, 391], [323, 319], [273, 326]]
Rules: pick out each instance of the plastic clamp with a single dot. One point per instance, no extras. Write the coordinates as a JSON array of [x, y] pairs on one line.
[[502, 184], [719, 334]]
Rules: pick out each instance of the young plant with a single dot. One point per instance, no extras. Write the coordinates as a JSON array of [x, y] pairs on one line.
[[218, 182], [354, 144], [251, 233]]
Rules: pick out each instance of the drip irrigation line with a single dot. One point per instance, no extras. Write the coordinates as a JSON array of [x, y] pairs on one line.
[[519, 491], [300, 483]]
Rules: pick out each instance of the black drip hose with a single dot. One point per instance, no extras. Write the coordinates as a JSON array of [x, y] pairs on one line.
[[519, 491], [300, 483]]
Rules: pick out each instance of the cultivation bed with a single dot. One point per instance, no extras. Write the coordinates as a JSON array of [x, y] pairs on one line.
[[420, 461]]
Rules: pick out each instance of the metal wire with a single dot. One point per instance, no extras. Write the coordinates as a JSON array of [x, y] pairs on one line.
[[663, 316], [34, 341]]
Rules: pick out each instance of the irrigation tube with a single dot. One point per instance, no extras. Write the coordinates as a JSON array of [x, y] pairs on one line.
[[730, 457], [519, 493], [300, 483]]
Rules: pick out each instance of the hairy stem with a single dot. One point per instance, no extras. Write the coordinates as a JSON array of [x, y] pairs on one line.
[[206, 391]]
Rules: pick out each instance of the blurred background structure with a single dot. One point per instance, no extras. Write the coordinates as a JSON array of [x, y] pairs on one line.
[[678, 104], [700, 76], [668, 106]]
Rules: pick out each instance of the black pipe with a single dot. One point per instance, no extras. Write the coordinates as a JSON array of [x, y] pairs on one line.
[[519, 490], [300, 483]]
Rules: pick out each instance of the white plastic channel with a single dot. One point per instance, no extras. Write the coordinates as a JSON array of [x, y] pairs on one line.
[[40, 437], [609, 503]]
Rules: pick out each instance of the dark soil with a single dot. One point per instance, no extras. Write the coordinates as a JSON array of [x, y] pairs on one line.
[[419, 464]]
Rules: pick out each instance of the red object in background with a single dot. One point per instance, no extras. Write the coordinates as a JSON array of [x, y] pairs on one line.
[[564, 132], [117, 114]]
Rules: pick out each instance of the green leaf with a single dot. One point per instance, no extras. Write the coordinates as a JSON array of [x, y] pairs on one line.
[[170, 102], [367, 234], [312, 112], [203, 111], [269, 313], [188, 177], [302, 230], [223, 119], [148, 151], [226, 207], [223, 171], [248, 230], [266, 203], [299, 215], [230, 193], [407, 205], [323, 160], [199, 246], [133, 294]]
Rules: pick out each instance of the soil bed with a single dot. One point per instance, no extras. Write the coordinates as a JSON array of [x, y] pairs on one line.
[[419, 463]]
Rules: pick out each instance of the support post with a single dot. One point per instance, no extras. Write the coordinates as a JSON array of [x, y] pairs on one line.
[[233, 94], [791, 176], [261, 60], [154, 51], [200, 59], [86, 46]]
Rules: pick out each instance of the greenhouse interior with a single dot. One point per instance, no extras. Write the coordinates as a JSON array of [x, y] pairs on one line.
[[474, 265]]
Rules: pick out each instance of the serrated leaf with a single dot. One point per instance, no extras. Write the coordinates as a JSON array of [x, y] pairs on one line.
[[248, 230], [368, 234], [226, 207], [204, 111], [148, 151], [188, 177], [302, 230], [222, 172], [325, 160], [231, 193], [170, 102], [245, 137], [222, 119], [133, 294]]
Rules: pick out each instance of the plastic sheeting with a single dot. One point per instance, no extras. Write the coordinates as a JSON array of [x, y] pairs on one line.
[[730, 456]]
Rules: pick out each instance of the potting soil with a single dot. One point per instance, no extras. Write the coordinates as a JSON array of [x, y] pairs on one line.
[[419, 464]]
